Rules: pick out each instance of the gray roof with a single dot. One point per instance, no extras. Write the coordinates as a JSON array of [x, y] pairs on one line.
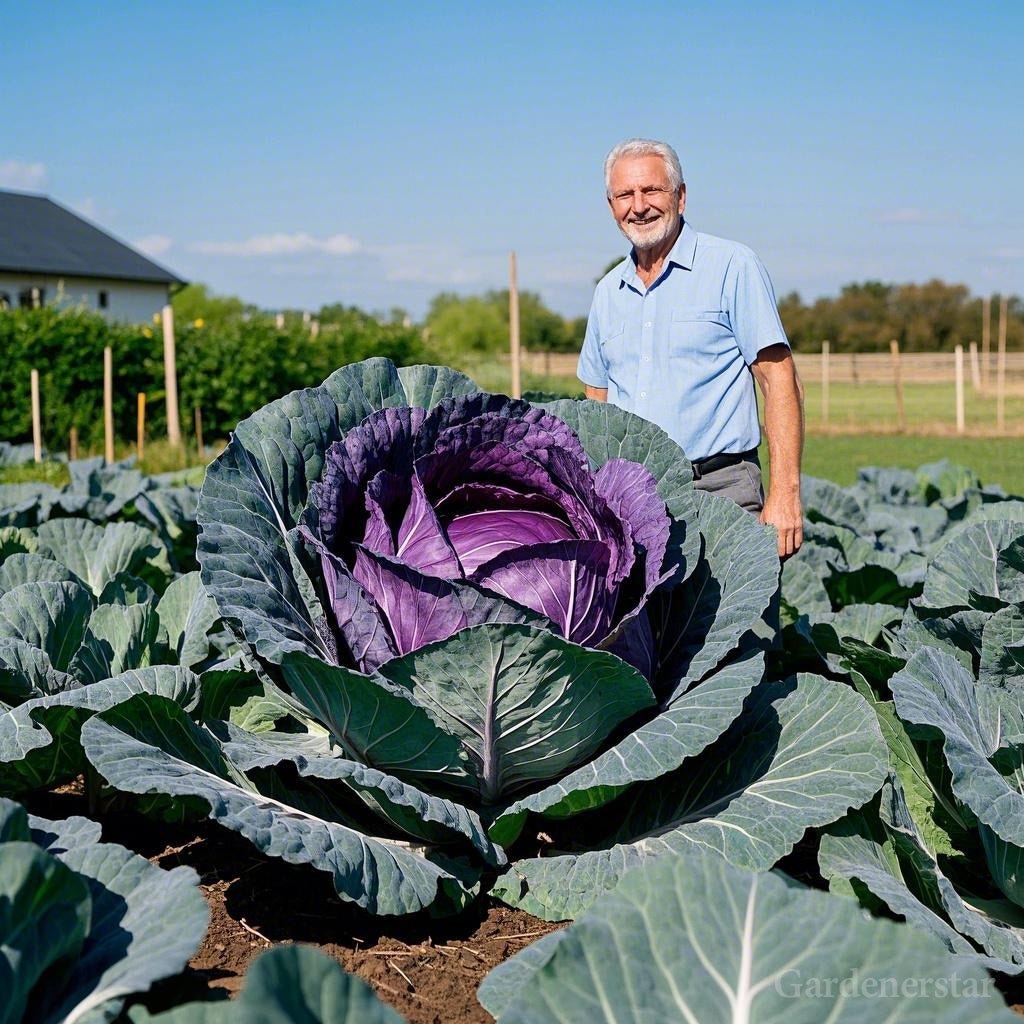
[[38, 236]]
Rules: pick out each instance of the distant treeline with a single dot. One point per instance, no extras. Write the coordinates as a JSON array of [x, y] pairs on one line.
[[865, 317], [929, 317]]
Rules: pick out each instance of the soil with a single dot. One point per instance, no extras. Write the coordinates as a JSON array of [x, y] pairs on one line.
[[427, 969]]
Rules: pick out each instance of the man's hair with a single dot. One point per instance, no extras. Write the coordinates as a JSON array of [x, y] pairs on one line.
[[645, 147]]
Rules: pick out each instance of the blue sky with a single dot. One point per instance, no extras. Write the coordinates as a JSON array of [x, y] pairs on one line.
[[376, 154]]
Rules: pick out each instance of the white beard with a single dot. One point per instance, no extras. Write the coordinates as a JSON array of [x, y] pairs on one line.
[[650, 236]]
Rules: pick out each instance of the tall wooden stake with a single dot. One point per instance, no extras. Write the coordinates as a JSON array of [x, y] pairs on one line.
[[513, 325], [986, 340], [37, 429], [959, 359], [73, 444], [171, 378], [897, 377], [826, 350], [975, 368], [140, 427], [108, 404], [199, 432], [1001, 368]]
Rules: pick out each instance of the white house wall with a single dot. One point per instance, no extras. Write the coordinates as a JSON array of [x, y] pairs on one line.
[[127, 301]]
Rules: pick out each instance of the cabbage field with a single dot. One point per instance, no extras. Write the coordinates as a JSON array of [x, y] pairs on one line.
[[434, 705]]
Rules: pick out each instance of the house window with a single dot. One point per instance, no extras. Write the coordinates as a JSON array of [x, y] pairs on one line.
[[5, 300], [31, 298], [101, 300]]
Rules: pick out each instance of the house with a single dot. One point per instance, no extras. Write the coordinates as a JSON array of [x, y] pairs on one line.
[[49, 255]]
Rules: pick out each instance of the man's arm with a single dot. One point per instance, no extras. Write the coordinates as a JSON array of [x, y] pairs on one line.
[[783, 393], [598, 394]]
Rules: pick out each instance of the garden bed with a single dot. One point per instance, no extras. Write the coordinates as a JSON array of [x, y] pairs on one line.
[[429, 969]]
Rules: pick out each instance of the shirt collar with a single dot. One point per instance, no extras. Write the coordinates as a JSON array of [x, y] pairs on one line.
[[682, 254]]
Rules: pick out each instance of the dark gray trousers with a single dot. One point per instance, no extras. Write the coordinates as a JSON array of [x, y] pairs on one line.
[[741, 482]]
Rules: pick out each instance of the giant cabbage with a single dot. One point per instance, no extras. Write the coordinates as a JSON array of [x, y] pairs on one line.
[[497, 641]]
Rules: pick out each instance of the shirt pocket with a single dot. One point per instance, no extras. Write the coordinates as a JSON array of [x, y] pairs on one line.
[[613, 344], [702, 334]]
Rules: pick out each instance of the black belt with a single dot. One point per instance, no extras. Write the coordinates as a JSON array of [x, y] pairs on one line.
[[701, 467]]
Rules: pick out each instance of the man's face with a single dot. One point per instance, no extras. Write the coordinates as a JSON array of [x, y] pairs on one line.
[[646, 211]]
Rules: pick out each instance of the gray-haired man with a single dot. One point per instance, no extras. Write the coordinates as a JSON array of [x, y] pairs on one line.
[[679, 331]]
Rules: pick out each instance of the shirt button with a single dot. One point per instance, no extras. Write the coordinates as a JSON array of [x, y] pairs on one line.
[[647, 324], [643, 394], [647, 359]]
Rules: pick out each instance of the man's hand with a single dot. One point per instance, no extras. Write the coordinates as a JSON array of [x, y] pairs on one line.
[[785, 513], [776, 374]]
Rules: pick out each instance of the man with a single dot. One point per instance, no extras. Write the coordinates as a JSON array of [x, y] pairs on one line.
[[679, 331]]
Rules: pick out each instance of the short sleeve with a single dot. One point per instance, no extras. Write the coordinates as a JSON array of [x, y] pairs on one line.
[[753, 311], [592, 369]]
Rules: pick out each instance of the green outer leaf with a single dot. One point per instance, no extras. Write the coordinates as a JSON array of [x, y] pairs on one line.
[[936, 690], [26, 672], [286, 985], [654, 749], [702, 620], [146, 924], [694, 939], [525, 703], [15, 540], [800, 756], [907, 878], [24, 568], [188, 615], [425, 386], [967, 566], [49, 616], [428, 818], [860, 858], [802, 589], [39, 740], [45, 911], [377, 722], [150, 746], [99, 554], [117, 640], [1002, 648]]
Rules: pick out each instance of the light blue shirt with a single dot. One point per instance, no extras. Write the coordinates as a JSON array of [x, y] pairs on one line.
[[678, 353]]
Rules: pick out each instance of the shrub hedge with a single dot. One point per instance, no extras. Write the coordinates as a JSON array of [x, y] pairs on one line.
[[228, 372]]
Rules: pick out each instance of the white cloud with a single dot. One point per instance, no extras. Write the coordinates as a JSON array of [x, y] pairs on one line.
[[17, 174], [904, 215], [153, 245], [283, 245]]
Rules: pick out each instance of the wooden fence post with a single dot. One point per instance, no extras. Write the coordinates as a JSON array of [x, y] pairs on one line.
[[986, 335], [975, 368], [37, 430], [171, 378], [958, 355], [73, 444], [108, 404], [199, 432], [897, 377], [826, 349], [513, 325], [1001, 368], [140, 427]]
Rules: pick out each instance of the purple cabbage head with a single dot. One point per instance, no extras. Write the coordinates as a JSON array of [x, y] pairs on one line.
[[483, 509]]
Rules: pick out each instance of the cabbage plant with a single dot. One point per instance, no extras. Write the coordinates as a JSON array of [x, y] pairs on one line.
[[85, 924], [500, 645]]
